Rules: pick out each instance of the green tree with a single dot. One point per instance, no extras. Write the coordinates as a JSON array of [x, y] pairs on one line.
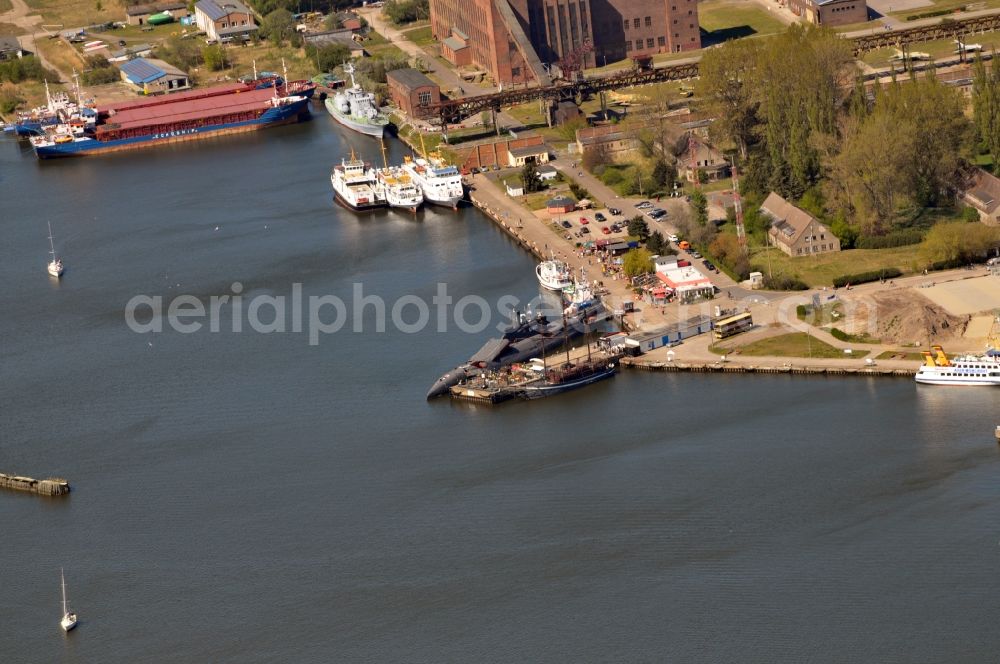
[[655, 242], [728, 83], [277, 26], [638, 227], [638, 261], [530, 179], [957, 242], [699, 205], [726, 249], [328, 56], [663, 174], [214, 57], [986, 107]]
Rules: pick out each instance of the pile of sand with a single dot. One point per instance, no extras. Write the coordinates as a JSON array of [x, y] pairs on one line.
[[905, 316]]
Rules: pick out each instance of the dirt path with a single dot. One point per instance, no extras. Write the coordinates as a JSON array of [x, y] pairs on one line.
[[21, 16]]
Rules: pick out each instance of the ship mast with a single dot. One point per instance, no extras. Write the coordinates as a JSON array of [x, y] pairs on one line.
[[385, 161], [79, 94], [284, 69]]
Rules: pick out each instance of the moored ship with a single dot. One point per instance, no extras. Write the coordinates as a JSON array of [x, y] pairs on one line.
[[356, 109], [968, 370], [398, 189], [184, 116], [354, 184], [554, 275], [440, 182]]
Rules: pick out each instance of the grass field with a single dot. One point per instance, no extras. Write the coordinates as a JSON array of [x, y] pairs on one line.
[[61, 54], [821, 269], [947, 4], [421, 36], [795, 344], [78, 13], [893, 355], [377, 45], [723, 20], [5, 6]]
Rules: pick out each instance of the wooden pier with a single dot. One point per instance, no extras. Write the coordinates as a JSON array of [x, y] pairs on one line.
[[727, 367], [52, 486]]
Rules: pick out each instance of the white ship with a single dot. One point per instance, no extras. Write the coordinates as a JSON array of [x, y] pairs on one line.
[[356, 109], [440, 181], [398, 189], [939, 369], [580, 295], [554, 275], [355, 185]]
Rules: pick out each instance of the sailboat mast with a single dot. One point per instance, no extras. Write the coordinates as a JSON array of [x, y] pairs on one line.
[[284, 70], [566, 338], [62, 575], [52, 246]]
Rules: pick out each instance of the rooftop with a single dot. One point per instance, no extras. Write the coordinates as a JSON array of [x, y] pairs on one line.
[[411, 78], [560, 201], [190, 109], [528, 150], [141, 70], [984, 191], [9, 43], [791, 221], [216, 9], [454, 44]]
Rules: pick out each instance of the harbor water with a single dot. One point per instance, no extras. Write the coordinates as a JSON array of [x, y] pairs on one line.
[[253, 497]]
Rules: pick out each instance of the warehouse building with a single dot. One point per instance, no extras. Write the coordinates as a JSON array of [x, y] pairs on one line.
[[412, 92]]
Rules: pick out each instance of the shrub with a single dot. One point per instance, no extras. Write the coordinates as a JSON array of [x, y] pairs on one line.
[[899, 238], [865, 277], [782, 282]]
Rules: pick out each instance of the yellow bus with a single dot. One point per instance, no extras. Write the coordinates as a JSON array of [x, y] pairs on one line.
[[727, 327]]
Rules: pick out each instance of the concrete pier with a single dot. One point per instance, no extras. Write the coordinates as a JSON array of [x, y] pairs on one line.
[[52, 486], [729, 367]]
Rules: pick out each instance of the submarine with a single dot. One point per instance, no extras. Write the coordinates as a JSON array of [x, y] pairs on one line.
[[525, 338]]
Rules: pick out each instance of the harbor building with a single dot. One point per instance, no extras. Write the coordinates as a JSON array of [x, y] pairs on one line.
[[140, 13], [516, 40], [411, 91], [224, 20], [830, 13], [795, 231], [153, 76]]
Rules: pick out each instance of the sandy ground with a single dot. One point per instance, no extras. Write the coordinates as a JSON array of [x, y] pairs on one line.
[[969, 296]]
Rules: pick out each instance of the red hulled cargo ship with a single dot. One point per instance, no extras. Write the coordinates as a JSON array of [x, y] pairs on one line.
[[184, 116]]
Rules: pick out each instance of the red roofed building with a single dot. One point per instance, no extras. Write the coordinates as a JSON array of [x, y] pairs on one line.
[[685, 281]]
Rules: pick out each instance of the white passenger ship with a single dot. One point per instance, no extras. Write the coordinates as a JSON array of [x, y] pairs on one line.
[[355, 185], [939, 369]]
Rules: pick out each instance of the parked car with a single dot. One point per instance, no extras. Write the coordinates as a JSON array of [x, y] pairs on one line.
[[614, 211], [121, 42], [659, 211], [673, 237], [605, 230], [584, 221], [708, 265], [695, 254], [584, 230], [653, 214], [566, 224], [643, 205], [600, 217]]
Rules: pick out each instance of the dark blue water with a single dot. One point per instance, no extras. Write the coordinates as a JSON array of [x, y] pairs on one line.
[[252, 497]]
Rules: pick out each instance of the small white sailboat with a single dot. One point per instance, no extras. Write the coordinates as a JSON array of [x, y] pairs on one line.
[[68, 621], [55, 265]]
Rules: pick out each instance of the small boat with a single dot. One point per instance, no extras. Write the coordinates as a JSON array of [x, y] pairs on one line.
[[355, 185], [554, 275], [69, 618], [55, 265]]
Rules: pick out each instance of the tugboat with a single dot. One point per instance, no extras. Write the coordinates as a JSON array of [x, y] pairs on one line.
[[356, 109], [355, 185]]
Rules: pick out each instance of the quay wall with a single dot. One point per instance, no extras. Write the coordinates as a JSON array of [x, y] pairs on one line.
[[52, 486], [728, 367]]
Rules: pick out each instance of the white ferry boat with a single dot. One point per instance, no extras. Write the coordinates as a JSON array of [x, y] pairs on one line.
[[554, 275], [398, 189], [356, 109], [355, 185], [440, 182], [939, 369]]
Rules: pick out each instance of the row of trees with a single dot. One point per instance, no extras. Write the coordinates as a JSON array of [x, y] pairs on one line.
[[814, 132], [406, 11], [986, 108]]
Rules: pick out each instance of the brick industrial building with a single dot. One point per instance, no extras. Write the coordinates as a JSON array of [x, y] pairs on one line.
[[411, 91], [512, 39], [830, 13]]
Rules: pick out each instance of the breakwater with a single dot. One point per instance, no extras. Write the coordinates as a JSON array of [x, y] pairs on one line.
[[52, 486], [726, 367]]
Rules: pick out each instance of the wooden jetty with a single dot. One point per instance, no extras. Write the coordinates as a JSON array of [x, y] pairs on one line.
[[52, 486], [727, 367]]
